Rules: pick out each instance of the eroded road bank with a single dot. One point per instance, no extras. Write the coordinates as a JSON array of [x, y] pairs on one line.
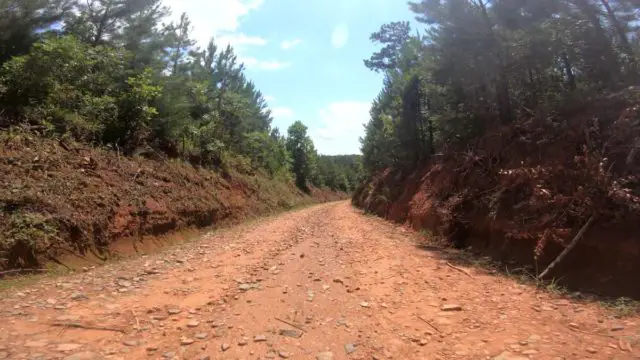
[[321, 283]]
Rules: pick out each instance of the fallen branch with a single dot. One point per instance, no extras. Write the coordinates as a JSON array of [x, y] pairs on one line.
[[459, 269], [429, 323], [571, 245], [290, 324], [88, 327]]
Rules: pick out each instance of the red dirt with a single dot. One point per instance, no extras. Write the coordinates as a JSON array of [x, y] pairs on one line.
[[342, 277], [521, 192], [56, 198]]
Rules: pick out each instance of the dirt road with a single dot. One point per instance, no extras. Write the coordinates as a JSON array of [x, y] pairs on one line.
[[322, 283]]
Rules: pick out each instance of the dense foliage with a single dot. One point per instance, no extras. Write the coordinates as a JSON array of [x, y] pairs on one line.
[[115, 73], [482, 64]]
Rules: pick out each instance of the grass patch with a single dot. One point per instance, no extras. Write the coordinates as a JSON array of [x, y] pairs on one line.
[[622, 307]]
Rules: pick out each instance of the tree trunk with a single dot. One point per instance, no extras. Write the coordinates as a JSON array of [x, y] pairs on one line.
[[611, 60], [100, 29], [502, 87], [624, 40]]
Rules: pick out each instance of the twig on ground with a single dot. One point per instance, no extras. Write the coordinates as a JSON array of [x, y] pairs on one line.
[[429, 323], [459, 269], [571, 245], [88, 327], [290, 324]]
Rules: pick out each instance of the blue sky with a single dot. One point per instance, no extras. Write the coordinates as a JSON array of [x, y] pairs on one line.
[[305, 56]]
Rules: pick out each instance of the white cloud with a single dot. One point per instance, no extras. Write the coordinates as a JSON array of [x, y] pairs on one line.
[[212, 17], [282, 112], [288, 44], [221, 20], [342, 126], [239, 40], [340, 36], [282, 118], [256, 64]]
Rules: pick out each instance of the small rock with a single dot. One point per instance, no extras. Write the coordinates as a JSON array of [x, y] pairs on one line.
[[243, 342], [186, 341], [124, 283], [423, 342], [152, 348], [283, 354], [451, 307], [52, 301], [193, 323], [325, 356], [530, 352], [225, 347], [364, 304], [574, 325], [260, 338], [290, 333], [130, 342], [591, 350], [201, 336], [244, 287], [349, 348], [87, 355], [36, 344], [338, 281], [78, 296], [67, 347], [169, 355], [617, 328], [174, 311]]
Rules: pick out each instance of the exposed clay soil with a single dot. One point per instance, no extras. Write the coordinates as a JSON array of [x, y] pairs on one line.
[[58, 198], [325, 282]]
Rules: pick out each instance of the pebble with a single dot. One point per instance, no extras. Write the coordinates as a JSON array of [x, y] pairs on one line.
[[225, 347], [364, 304], [283, 354], [244, 287], [349, 348], [260, 338], [617, 328], [169, 355], [86, 355], [591, 350], [193, 323], [201, 336], [130, 342], [243, 342], [67, 347], [35, 344], [152, 348], [530, 352], [325, 356], [290, 333], [174, 311], [451, 307], [186, 341], [78, 296]]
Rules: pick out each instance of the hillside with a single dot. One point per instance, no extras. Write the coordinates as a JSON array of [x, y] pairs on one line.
[[60, 197], [511, 127]]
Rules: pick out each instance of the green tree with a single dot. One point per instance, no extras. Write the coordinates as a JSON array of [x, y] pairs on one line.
[[302, 153]]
